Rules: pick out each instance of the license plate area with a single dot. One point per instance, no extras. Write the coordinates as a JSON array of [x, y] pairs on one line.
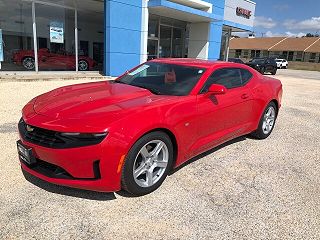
[[25, 153]]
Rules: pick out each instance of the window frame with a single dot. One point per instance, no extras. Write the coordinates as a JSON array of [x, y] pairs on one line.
[[202, 90]]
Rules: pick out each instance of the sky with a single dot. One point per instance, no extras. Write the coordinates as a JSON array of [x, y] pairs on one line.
[[293, 18]]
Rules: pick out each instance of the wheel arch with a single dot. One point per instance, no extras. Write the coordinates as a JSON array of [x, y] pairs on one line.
[[275, 101], [24, 57], [172, 138]]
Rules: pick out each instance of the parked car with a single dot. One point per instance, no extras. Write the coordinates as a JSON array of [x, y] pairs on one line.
[[264, 65], [282, 63], [48, 60], [235, 60], [131, 132]]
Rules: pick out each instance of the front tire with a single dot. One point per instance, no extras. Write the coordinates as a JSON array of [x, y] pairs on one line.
[[147, 163], [267, 122], [28, 63], [274, 71]]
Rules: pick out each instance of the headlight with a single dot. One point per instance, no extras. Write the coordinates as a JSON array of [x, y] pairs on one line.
[[60, 140], [82, 139]]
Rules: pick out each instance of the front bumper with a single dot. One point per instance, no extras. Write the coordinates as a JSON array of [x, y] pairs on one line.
[[84, 167]]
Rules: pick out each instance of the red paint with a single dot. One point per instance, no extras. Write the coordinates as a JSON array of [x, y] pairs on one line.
[[199, 122], [49, 60]]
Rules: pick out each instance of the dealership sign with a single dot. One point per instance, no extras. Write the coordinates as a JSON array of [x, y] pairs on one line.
[[243, 12], [1, 47], [56, 32]]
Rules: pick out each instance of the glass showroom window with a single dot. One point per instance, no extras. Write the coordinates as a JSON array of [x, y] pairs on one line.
[[16, 35], [90, 36], [55, 38]]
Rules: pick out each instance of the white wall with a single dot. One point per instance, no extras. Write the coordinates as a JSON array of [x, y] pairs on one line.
[[198, 40], [144, 31], [231, 15]]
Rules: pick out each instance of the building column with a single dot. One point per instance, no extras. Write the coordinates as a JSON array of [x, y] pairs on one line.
[[123, 33], [227, 47], [35, 39], [215, 37], [144, 31]]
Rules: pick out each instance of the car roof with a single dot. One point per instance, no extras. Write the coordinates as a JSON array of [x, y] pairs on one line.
[[190, 62]]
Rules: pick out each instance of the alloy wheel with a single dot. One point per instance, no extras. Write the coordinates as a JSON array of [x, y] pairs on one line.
[[83, 65], [268, 120], [28, 63], [150, 163]]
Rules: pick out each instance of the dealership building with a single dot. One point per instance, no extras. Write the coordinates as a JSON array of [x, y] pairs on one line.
[[115, 35]]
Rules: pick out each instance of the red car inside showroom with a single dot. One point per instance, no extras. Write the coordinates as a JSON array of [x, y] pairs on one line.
[[130, 133]]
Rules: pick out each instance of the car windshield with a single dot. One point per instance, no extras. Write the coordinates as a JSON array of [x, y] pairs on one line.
[[258, 60], [163, 79]]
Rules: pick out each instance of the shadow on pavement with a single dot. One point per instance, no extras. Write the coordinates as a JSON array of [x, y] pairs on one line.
[[202, 155], [73, 192], [100, 196]]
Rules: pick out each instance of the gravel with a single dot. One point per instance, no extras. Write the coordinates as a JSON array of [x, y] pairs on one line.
[[247, 189]]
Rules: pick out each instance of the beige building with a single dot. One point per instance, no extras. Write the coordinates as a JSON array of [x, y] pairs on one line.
[[305, 49]]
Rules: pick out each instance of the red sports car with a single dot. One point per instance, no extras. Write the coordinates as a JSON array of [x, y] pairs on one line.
[[48, 60], [129, 133]]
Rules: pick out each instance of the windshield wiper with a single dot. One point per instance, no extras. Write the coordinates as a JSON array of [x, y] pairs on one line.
[[149, 89], [119, 81], [137, 85]]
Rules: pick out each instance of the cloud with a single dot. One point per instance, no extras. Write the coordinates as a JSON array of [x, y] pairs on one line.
[[312, 24], [271, 34], [264, 22], [277, 34], [241, 34], [300, 34]]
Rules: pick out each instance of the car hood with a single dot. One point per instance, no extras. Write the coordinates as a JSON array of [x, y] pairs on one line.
[[90, 105]]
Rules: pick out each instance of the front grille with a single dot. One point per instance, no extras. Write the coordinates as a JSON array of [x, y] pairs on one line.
[[52, 139], [40, 136], [52, 171]]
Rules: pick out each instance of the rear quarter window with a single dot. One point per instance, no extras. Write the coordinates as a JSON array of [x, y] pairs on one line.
[[245, 76]]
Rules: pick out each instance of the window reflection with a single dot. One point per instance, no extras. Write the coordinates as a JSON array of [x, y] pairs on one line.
[[16, 26]]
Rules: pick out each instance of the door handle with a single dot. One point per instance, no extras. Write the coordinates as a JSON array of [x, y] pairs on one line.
[[245, 96]]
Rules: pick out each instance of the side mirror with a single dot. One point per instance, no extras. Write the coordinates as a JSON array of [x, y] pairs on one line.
[[217, 89]]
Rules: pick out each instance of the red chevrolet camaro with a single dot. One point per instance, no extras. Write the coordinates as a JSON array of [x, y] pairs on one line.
[[49, 60], [129, 133]]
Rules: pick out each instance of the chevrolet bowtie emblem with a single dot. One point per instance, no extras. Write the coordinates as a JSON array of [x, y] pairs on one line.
[[29, 128]]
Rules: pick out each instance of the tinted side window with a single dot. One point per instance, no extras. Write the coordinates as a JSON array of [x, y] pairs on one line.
[[245, 76], [228, 77]]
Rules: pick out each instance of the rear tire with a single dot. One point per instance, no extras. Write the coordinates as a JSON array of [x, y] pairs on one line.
[[147, 164], [267, 122], [274, 71], [83, 65]]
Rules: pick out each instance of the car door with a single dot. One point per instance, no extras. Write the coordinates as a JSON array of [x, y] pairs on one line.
[[223, 117], [57, 61]]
